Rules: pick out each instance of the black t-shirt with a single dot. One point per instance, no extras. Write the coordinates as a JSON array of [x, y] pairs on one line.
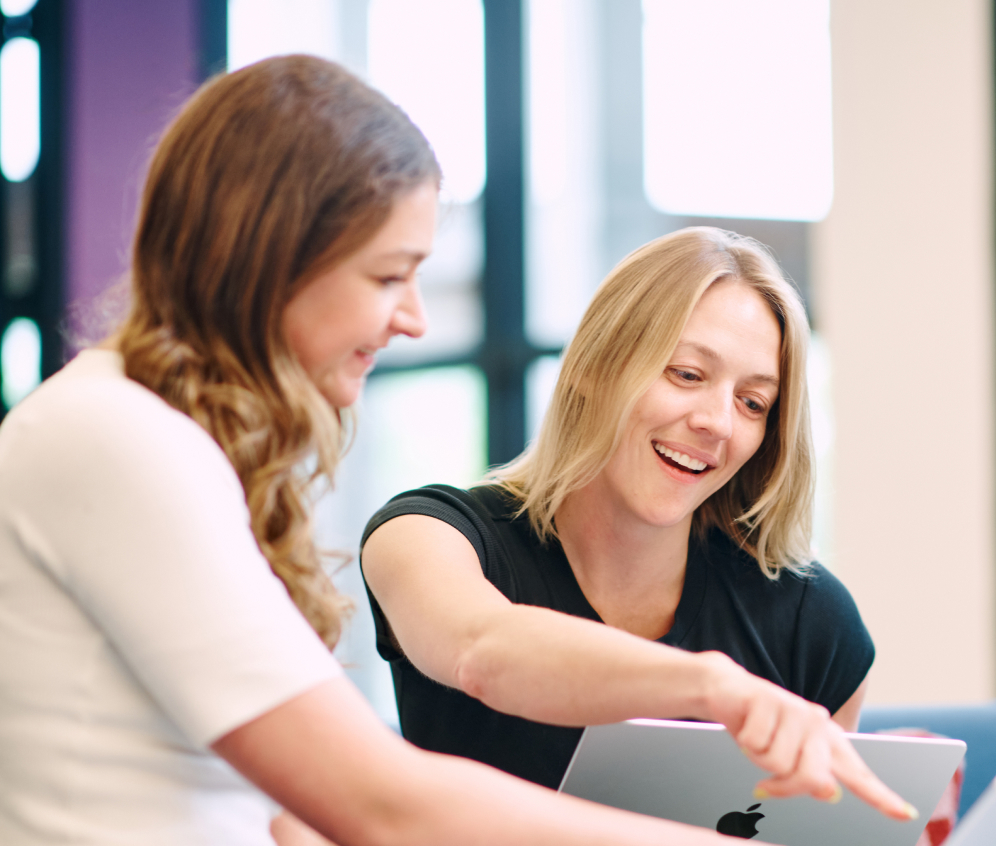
[[803, 633]]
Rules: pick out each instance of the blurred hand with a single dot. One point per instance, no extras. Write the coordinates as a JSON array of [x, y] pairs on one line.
[[795, 740]]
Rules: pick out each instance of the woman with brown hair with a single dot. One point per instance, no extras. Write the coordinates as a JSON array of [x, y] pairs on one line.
[[668, 495]]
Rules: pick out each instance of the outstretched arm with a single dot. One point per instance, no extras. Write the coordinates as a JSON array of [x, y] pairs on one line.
[[288, 830], [848, 715], [327, 758], [460, 630]]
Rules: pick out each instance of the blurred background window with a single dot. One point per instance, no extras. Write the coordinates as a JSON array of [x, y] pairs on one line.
[[429, 58], [737, 108], [261, 28], [589, 109], [20, 104], [31, 210], [20, 360]]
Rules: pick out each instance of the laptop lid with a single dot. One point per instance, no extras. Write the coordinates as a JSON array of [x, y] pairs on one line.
[[978, 828], [694, 773]]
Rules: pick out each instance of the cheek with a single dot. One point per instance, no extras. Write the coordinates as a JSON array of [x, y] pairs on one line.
[[299, 335], [751, 443], [316, 330]]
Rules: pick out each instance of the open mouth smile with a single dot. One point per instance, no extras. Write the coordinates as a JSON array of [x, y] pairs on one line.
[[680, 461]]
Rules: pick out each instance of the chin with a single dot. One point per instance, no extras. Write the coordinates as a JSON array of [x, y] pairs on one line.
[[339, 398], [666, 518], [342, 393]]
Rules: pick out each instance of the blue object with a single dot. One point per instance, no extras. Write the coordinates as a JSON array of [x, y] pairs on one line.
[[975, 724]]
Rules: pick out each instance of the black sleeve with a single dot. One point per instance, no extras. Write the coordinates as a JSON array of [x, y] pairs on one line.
[[832, 651], [453, 506]]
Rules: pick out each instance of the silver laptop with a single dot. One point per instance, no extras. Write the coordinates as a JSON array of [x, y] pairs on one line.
[[978, 828], [694, 773]]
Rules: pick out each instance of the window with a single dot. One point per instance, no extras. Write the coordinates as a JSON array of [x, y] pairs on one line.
[[540, 112], [737, 108], [31, 187]]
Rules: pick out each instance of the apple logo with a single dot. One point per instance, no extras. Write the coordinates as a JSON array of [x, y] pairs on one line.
[[739, 824]]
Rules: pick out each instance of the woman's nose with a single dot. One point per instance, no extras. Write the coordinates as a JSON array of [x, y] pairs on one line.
[[714, 414], [409, 316]]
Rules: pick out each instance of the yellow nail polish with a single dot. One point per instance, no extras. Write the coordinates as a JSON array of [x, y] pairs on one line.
[[911, 812], [761, 794], [838, 794]]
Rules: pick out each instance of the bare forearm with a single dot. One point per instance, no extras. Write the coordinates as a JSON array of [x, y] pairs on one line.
[[533, 662], [288, 830], [558, 669], [326, 758], [455, 795]]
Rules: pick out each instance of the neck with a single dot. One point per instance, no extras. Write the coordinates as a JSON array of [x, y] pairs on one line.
[[109, 343], [631, 573]]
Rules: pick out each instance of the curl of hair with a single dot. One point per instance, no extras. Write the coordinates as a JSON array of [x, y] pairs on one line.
[[625, 340], [267, 177]]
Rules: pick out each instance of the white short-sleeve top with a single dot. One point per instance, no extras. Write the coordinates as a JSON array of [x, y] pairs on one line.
[[139, 622]]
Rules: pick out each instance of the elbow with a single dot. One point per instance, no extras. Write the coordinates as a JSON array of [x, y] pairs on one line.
[[476, 672]]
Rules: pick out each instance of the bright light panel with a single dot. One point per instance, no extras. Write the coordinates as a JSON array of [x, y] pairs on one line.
[[548, 94], [258, 29], [426, 426], [737, 110], [429, 59], [20, 360], [16, 8], [541, 379], [20, 136]]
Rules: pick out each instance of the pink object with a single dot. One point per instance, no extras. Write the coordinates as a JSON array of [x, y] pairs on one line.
[[942, 820]]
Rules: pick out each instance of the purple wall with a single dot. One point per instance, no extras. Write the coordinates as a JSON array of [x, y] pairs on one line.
[[130, 65]]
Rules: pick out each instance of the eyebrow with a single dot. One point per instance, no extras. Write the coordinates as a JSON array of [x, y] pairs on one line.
[[711, 354], [414, 255]]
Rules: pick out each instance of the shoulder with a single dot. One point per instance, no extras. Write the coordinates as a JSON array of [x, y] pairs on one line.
[[471, 511], [90, 436], [481, 514], [812, 600], [814, 638], [813, 582], [91, 412]]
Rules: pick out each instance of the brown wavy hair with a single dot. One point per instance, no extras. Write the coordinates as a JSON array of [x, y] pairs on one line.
[[267, 177], [625, 340]]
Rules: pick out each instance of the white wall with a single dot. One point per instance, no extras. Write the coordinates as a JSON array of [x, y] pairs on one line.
[[903, 270]]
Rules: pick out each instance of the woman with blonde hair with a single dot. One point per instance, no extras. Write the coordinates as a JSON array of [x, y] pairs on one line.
[[668, 495], [165, 621]]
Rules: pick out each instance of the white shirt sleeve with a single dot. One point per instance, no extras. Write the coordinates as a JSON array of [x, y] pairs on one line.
[[137, 513]]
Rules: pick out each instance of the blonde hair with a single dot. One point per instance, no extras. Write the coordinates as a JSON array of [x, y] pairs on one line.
[[267, 177], [624, 341]]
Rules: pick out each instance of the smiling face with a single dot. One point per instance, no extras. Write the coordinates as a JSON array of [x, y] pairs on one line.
[[339, 320], [704, 417]]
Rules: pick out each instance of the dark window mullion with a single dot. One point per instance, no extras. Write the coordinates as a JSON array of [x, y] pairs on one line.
[[49, 30], [506, 352], [212, 46], [31, 246]]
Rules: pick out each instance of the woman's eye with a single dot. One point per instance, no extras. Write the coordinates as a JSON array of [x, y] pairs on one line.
[[684, 375], [754, 405], [400, 278]]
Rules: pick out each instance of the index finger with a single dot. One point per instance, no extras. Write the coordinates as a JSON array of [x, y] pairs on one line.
[[852, 772]]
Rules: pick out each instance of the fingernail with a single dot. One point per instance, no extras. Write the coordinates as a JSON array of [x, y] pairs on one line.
[[838, 794], [911, 812], [761, 794]]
